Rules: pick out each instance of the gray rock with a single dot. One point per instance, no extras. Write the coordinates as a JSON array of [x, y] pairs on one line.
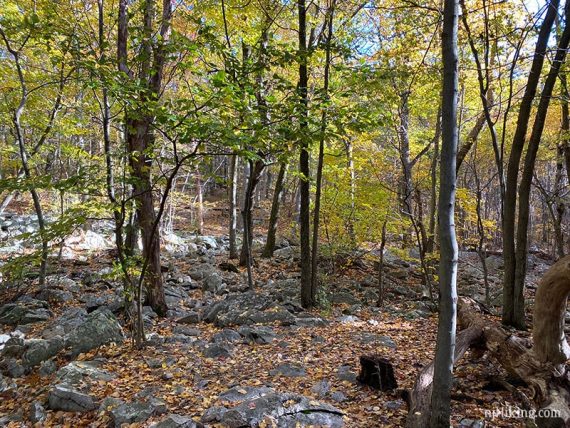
[[227, 335], [345, 297], [368, 338], [71, 319], [187, 331], [259, 335], [217, 350], [190, 318], [237, 394], [176, 421], [13, 368], [6, 384], [345, 373], [39, 350], [288, 370], [290, 253], [213, 283], [214, 414], [37, 413], [24, 312], [311, 322], [247, 308], [471, 423], [175, 295], [78, 372], [69, 399], [54, 295], [285, 410], [47, 368], [338, 396], [138, 411], [100, 328], [394, 405], [348, 319], [14, 347], [321, 388], [207, 241]]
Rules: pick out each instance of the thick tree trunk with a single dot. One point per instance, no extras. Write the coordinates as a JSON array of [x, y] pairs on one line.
[[274, 216], [440, 411], [527, 175], [513, 311]]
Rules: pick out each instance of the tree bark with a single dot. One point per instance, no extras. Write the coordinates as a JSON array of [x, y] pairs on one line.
[[512, 310], [307, 291], [274, 216], [233, 205], [440, 411]]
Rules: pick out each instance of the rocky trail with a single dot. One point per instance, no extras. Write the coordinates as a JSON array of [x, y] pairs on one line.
[[225, 355]]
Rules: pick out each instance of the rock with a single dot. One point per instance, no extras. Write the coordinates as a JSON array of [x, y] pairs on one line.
[[39, 350], [37, 413], [22, 313], [78, 372], [286, 253], [68, 399], [227, 335], [344, 297], [214, 414], [47, 368], [345, 373], [100, 328], [187, 331], [14, 347], [283, 410], [207, 241], [176, 421], [348, 319], [247, 308], [13, 368], [71, 319], [259, 335], [190, 318], [471, 423], [311, 322], [338, 396], [175, 295], [138, 411], [366, 338], [321, 388], [217, 350], [54, 295], [201, 271], [213, 283], [6, 384], [237, 394], [288, 370], [394, 405], [95, 301]]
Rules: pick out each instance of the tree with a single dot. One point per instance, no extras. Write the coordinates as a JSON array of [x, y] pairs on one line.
[[440, 410]]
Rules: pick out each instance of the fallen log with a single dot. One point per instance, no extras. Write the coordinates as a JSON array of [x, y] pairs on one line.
[[543, 367]]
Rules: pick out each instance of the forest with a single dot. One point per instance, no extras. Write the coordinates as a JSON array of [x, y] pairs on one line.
[[277, 213]]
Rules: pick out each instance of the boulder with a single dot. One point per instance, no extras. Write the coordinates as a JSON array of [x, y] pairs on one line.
[[138, 411], [247, 308], [284, 410], [69, 399], [344, 297], [66, 323], [259, 335], [39, 350], [217, 350], [78, 372], [191, 317], [100, 328], [227, 335], [24, 312]]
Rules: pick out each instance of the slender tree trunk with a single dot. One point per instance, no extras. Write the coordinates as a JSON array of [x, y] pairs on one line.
[[527, 175], [199, 223], [445, 349], [274, 216], [511, 310], [233, 205], [321, 159], [307, 291], [433, 197], [352, 178]]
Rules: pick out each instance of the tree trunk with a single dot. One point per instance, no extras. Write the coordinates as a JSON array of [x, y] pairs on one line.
[[274, 216], [440, 411], [233, 205], [527, 174], [307, 291], [511, 311], [320, 163]]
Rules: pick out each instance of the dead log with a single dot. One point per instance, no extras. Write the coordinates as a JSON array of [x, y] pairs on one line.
[[420, 395], [377, 372], [542, 367]]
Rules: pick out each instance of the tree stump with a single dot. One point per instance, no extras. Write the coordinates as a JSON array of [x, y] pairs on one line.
[[377, 372]]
